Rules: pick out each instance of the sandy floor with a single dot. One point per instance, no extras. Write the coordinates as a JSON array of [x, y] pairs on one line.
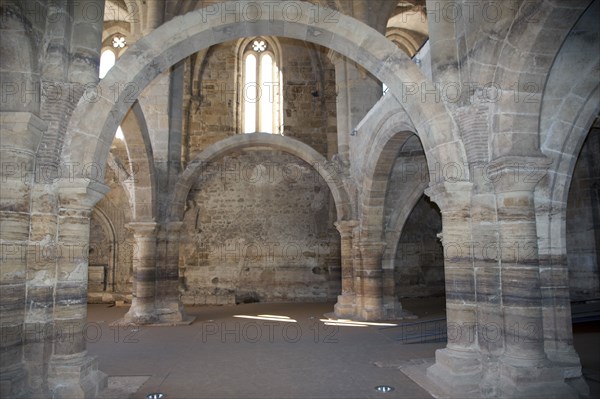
[[291, 355]]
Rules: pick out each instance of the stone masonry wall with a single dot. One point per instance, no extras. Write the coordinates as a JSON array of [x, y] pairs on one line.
[[419, 266], [309, 100], [111, 245], [258, 228]]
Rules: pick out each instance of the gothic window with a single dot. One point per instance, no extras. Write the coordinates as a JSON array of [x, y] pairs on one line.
[[108, 58], [261, 91], [110, 53], [107, 61]]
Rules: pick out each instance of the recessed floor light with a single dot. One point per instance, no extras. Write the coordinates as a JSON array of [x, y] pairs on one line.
[[384, 388], [156, 395]]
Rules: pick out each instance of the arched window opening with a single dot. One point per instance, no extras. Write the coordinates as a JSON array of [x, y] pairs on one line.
[[112, 50], [107, 61], [261, 91]]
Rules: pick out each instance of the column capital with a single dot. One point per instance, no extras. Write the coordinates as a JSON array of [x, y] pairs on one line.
[[372, 248], [450, 196], [518, 173], [143, 229], [80, 193], [14, 124], [345, 227]]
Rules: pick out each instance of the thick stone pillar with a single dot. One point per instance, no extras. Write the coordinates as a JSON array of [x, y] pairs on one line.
[[389, 293], [345, 306], [524, 367], [143, 310], [556, 303], [368, 281], [154, 15], [457, 367], [71, 372], [487, 272], [21, 134], [169, 307], [86, 40]]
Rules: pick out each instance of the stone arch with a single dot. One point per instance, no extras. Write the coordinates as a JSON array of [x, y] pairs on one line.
[[143, 176], [103, 218], [276, 142], [184, 35], [533, 35], [570, 105], [396, 225], [392, 130], [567, 114]]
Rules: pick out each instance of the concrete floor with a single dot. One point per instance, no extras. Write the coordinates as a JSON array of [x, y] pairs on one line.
[[224, 356]]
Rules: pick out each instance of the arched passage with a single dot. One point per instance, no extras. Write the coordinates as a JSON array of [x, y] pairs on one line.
[[199, 29], [102, 257], [178, 201], [568, 112], [291, 146], [526, 41]]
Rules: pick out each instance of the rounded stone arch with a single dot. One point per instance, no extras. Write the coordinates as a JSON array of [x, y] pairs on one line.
[[569, 107], [393, 131], [259, 140], [188, 34], [568, 111], [523, 61]]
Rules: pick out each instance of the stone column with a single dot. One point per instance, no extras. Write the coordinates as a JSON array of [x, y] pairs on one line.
[[86, 40], [392, 307], [524, 368], [487, 272], [143, 309], [169, 307], [71, 372], [457, 367], [345, 305], [21, 134], [556, 305], [154, 15], [369, 281]]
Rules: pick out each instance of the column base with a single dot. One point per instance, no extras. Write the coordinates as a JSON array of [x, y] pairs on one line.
[[137, 317], [534, 381], [568, 361], [75, 377], [456, 372], [168, 314], [173, 313], [369, 314], [13, 382], [345, 307], [392, 310]]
